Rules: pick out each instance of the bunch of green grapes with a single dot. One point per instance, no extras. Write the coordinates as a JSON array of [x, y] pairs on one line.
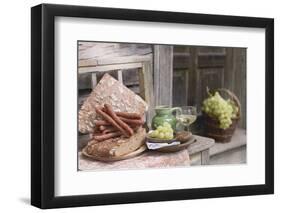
[[164, 131], [234, 108], [223, 110]]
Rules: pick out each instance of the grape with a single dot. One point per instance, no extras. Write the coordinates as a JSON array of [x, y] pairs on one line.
[[161, 135], [223, 110], [164, 131], [166, 135], [160, 128], [153, 134], [170, 131], [171, 135]]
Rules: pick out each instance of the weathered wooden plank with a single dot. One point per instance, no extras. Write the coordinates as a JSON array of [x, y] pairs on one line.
[[180, 87], [205, 60], [98, 50], [202, 143], [211, 59], [94, 80], [106, 68], [83, 96], [234, 156], [240, 79], [124, 60], [115, 60], [156, 72], [243, 96], [146, 88], [84, 81], [228, 71], [235, 77], [205, 157], [195, 159], [211, 78], [194, 85], [87, 63], [135, 89], [208, 49], [163, 74], [120, 76], [181, 60], [131, 77]]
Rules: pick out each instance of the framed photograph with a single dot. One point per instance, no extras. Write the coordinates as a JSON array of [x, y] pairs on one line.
[[140, 106]]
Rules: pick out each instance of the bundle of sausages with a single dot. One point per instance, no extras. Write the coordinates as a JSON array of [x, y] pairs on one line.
[[115, 124]]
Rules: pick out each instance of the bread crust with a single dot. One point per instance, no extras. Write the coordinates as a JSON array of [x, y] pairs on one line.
[[116, 147]]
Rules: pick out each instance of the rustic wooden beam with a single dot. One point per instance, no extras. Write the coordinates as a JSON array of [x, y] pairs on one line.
[[120, 76], [205, 157], [229, 72], [94, 80], [163, 74], [193, 75], [106, 68], [116, 60], [87, 62], [146, 88]]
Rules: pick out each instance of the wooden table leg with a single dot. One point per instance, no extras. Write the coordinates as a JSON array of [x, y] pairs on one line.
[[205, 157]]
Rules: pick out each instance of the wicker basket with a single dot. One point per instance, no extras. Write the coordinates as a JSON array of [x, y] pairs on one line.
[[212, 128]]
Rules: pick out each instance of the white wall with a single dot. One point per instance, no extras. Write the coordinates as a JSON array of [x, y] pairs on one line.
[[15, 105]]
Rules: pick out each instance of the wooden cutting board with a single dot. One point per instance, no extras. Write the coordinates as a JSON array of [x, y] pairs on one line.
[[111, 159]]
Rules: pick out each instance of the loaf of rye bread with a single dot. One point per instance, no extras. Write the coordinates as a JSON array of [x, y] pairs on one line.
[[116, 147], [112, 92]]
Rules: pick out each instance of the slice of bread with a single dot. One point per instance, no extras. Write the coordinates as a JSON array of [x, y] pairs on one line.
[[117, 146]]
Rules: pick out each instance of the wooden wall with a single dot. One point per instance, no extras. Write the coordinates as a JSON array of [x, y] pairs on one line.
[[196, 68]]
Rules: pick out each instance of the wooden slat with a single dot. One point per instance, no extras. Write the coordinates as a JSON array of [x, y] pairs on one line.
[[240, 79], [94, 80], [202, 143], [120, 76], [205, 60], [125, 60], [163, 74], [205, 157], [180, 87], [211, 60], [156, 72], [146, 88], [100, 50], [235, 77], [106, 68], [88, 62], [115, 60], [229, 71], [181, 61], [193, 74]]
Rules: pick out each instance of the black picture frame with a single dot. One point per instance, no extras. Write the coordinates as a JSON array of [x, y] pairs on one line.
[[43, 102]]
